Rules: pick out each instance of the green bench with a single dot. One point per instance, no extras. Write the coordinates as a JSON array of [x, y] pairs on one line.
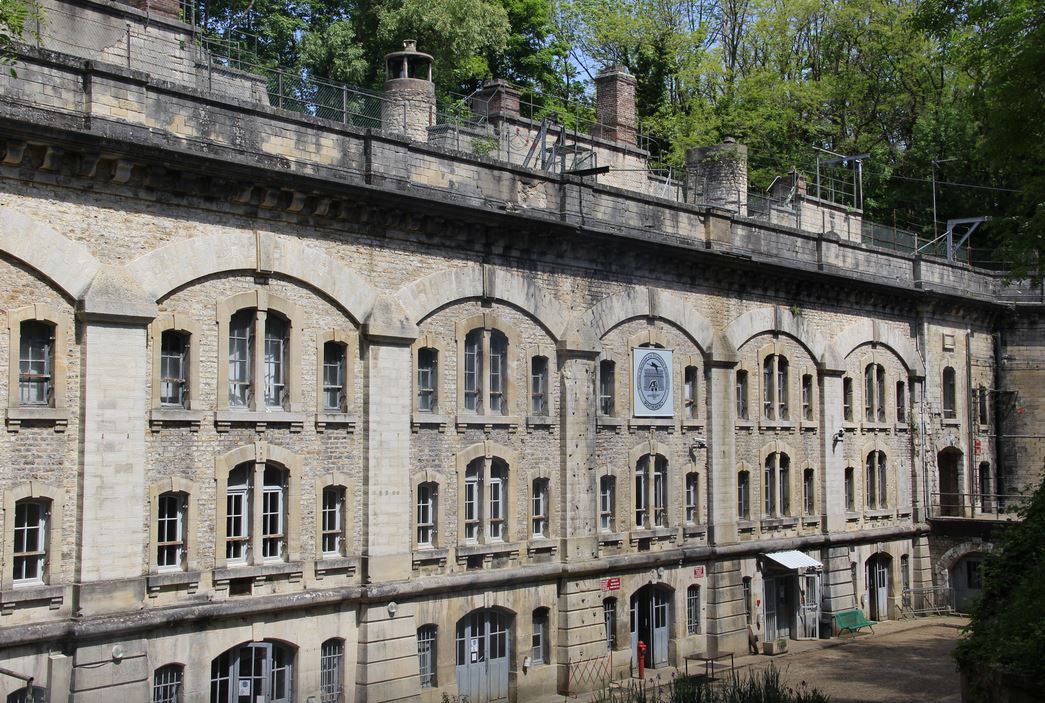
[[853, 620]]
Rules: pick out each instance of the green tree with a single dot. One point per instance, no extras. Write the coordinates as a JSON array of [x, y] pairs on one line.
[[16, 19]]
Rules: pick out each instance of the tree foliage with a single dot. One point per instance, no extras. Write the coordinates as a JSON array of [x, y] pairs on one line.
[[16, 21], [1008, 621]]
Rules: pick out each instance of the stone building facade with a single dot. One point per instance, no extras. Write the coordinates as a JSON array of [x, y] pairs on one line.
[[300, 411]]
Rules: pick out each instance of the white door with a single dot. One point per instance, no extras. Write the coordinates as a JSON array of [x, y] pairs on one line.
[[876, 576]]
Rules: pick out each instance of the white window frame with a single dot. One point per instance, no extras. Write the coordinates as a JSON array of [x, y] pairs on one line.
[[332, 525], [607, 503], [776, 378], [539, 637], [29, 565], [539, 518], [176, 523], [175, 370], [274, 514], [692, 498], [693, 610], [607, 387], [776, 485], [427, 651], [874, 393], [428, 379], [427, 514]]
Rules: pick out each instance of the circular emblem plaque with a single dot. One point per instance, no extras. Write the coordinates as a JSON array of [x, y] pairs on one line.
[[653, 381]]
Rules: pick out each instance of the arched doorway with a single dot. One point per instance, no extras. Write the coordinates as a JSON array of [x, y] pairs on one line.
[[967, 581], [483, 641], [651, 623], [258, 672], [948, 463], [877, 577]]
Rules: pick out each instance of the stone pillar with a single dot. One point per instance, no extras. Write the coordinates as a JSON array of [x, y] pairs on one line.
[[387, 379], [722, 465], [615, 105], [578, 499], [717, 175], [832, 452], [408, 107], [839, 592], [727, 619], [115, 314], [582, 636], [387, 667]]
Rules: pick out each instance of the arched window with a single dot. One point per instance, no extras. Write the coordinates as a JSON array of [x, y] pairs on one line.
[[332, 671], [242, 545], [875, 489], [607, 503], [777, 485], [253, 671], [901, 401], [259, 381], [607, 388], [775, 387], [426, 655], [874, 393], [486, 497], [167, 683], [539, 637], [651, 480], [693, 610], [171, 510], [427, 513], [33, 694], [486, 372], [950, 394], [744, 495]]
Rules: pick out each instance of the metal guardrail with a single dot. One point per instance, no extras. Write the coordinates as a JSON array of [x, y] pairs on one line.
[[919, 602], [975, 506]]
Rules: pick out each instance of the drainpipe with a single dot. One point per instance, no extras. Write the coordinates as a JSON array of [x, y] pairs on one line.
[[996, 452], [970, 417], [923, 344]]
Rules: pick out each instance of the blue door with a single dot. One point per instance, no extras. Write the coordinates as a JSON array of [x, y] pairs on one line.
[[482, 656]]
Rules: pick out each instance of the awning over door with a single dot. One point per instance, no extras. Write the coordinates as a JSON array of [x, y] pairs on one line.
[[795, 561]]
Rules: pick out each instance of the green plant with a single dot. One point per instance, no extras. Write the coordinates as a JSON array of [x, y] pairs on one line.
[[483, 146], [756, 686]]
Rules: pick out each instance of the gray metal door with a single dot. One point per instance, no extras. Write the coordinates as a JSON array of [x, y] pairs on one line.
[[770, 599], [876, 575], [661, 618], [482, 656]]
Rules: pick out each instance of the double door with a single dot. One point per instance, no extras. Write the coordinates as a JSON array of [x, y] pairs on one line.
[[650, 618], [482, 656]]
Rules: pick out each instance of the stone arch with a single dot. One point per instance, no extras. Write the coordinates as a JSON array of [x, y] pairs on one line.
[[873, 332], [488, 449], [942, 568], [650, 446], [168, 268], [637, 302], [424, 297], [67, 264], [781, 320]]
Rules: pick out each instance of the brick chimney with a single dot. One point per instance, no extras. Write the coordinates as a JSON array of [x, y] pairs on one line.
[[615, 105], [408, 107], [717, 175], [497, 98]]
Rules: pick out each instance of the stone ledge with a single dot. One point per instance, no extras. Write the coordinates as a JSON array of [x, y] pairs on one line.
[[259, 418], [418, 420], [778, 522], [159, 580], [259, 571], [158, 417], [512, 422], [331, 565], [31, 594], [429, 555], [346, 420], [59, 417]]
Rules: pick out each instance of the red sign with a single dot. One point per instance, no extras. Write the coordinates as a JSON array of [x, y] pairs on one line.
[[698, 572], [611, 584], [978, 446]]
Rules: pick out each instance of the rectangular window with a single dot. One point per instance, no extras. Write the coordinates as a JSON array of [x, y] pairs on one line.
[[426, 514], [472, 500], [807, 492], [427, 373], [901, 401], [170, 531], [742, 395], [879, 393], [241, 358], [690, 390], [692, 495], [498, 504], [30, 541], [333, 521], [748, 610], [871, 485], [607, 502], [950, 394], [693, 610], [767, 389], [847, 399], [539, 385], [174, 368], [660, 493], [237, 524], [609, 621], [334, 393], [539, 500], [641, 495], [785, 488], [982, 405], [782, 387], [850, 490], [744, 495], [607, 387], [473, 371], [36, 363], [426, 655], [882, 478], [331, 671], [273, 518], [539, 636], [869, 385], [769, 487], [807, 397], [276, 348], [498, 372]]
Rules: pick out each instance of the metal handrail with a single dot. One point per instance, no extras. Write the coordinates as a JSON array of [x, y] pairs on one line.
[[975, 505]]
